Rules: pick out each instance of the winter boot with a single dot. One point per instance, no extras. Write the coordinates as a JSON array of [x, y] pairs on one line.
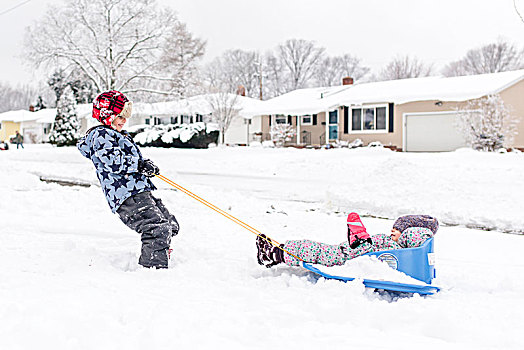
[[268, 254], [357, 233]]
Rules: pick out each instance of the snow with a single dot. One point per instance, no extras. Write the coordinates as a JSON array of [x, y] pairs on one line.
[[199, 104], [430, 88], [169, 132], [437, 88], [70, 279]]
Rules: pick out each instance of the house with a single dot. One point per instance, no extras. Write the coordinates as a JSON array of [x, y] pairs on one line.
[[33, 126], [409, 114], [36, 126], [243, 129]]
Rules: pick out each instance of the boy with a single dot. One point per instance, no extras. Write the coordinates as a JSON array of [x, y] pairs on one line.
[[125, 178]]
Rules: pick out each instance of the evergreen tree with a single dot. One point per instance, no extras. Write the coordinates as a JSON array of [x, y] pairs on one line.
[[57, 82], [65, 129], [83, 89], [40, 104]]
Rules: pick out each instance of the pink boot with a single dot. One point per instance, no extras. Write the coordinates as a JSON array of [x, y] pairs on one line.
[[357, 233]]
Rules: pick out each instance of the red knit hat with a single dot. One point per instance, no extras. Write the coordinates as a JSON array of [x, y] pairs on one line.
[[109, 105]]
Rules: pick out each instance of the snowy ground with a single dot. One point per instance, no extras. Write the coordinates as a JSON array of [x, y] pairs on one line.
[[69, 277]]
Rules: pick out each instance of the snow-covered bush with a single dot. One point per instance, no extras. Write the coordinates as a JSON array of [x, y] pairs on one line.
[[195, 135], [376, 144], [356, 143], [66, 126], [281, 133], [268, 144], [487, 124]]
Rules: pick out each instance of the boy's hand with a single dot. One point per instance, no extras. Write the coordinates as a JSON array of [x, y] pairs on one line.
[[148, 168]]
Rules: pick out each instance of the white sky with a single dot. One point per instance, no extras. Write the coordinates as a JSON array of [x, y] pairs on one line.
[[435, 31]]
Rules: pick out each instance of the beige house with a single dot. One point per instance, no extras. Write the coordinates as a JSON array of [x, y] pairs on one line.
[[410, 114]]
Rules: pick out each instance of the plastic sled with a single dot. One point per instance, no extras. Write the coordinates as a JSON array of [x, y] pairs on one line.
[[418, 263]]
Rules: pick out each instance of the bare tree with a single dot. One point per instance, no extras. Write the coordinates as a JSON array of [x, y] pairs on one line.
[[352, 67], [244, 67], [403, 67], [299, 58], [517, 10], [19, 97], [180, 55], [224, 108], [117, 44], [331, 70], [274, 69], [487, 123], [235, 68], [492, 58], [217, 75]]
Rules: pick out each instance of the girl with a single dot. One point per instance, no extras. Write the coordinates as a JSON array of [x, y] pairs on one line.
[[125, 178], [408, 232]]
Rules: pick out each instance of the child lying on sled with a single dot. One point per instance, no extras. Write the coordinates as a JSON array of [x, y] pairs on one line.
[[408, 231]]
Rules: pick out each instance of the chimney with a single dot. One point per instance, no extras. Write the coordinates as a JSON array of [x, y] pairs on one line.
[[31, 108], [347, 81], [241, 90]]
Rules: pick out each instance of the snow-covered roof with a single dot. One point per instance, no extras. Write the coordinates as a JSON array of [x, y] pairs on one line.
[[298, 102], [46, 115], [430, 88], [314, 100], [199, 104]]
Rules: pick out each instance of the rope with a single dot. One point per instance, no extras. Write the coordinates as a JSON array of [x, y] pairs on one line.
[[227, 215]]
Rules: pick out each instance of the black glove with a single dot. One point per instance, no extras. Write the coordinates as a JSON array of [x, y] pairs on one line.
[[148, 168]]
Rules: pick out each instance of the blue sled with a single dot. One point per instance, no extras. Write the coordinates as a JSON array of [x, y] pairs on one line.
[[415, 262]]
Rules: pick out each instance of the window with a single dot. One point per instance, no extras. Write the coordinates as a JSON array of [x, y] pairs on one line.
[[333, 117], [372, 118], [47, 128], [381, 118], [356, 119], [280, 119], [369, 119], [307, 120], [174, 120], [148, 121]]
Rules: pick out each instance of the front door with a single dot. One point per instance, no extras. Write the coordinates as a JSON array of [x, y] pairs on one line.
[[333, 125]]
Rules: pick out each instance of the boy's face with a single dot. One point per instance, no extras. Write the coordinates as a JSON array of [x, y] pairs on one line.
[[119, 123]]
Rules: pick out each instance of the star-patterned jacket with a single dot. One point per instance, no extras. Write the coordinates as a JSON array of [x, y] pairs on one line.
[[115, 156]]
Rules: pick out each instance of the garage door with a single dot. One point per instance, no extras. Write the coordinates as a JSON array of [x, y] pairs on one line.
[[431, 132]]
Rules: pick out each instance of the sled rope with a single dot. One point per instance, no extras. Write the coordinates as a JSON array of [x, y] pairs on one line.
[[227, 215]]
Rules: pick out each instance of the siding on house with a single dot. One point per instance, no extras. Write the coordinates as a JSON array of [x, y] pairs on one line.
[[514, 98], [8, 129]]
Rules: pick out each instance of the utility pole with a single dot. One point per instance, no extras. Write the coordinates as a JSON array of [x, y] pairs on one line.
[[260, 78], [259, 75]]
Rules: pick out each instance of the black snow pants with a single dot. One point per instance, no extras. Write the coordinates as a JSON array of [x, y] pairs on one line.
[[148, 216]]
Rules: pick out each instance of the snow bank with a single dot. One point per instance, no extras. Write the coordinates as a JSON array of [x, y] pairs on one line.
[[70, 278]]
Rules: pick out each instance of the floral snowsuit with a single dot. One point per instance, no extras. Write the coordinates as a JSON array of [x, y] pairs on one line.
[[416, 229]]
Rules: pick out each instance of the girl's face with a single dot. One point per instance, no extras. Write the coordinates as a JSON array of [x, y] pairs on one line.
[[395, 234], [119, 123]]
